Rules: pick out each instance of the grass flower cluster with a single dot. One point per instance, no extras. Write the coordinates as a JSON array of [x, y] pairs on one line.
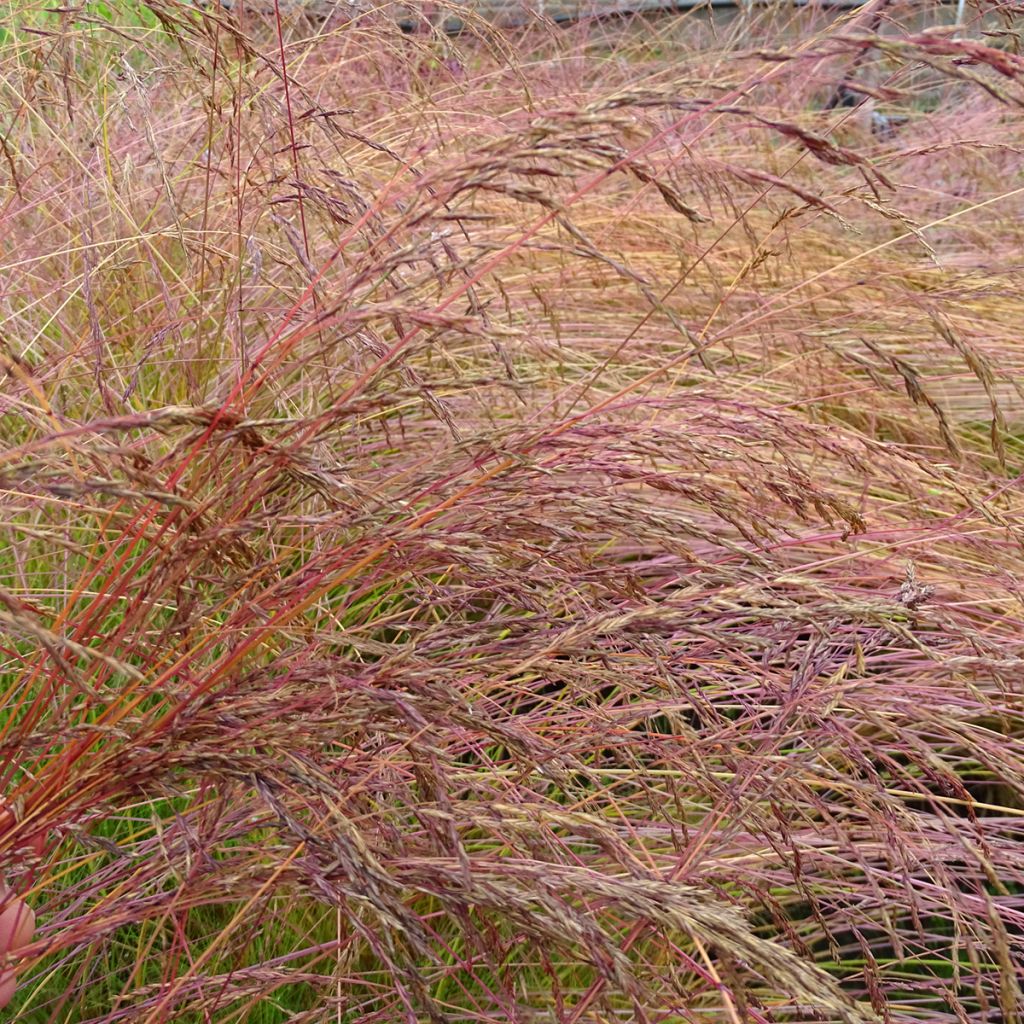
[[516, 527]]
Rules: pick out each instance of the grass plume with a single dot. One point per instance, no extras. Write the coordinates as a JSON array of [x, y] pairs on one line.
[[521, 526]]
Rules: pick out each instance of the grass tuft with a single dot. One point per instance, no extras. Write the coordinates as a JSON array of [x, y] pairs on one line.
[[517, 526]]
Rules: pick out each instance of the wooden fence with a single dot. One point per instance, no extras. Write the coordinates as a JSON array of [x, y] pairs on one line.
[[518, 12]]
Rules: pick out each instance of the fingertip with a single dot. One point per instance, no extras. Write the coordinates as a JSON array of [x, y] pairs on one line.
[[8, 986], [17, 924]]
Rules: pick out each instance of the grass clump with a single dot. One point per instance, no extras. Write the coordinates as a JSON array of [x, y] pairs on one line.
[[520, 527]]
